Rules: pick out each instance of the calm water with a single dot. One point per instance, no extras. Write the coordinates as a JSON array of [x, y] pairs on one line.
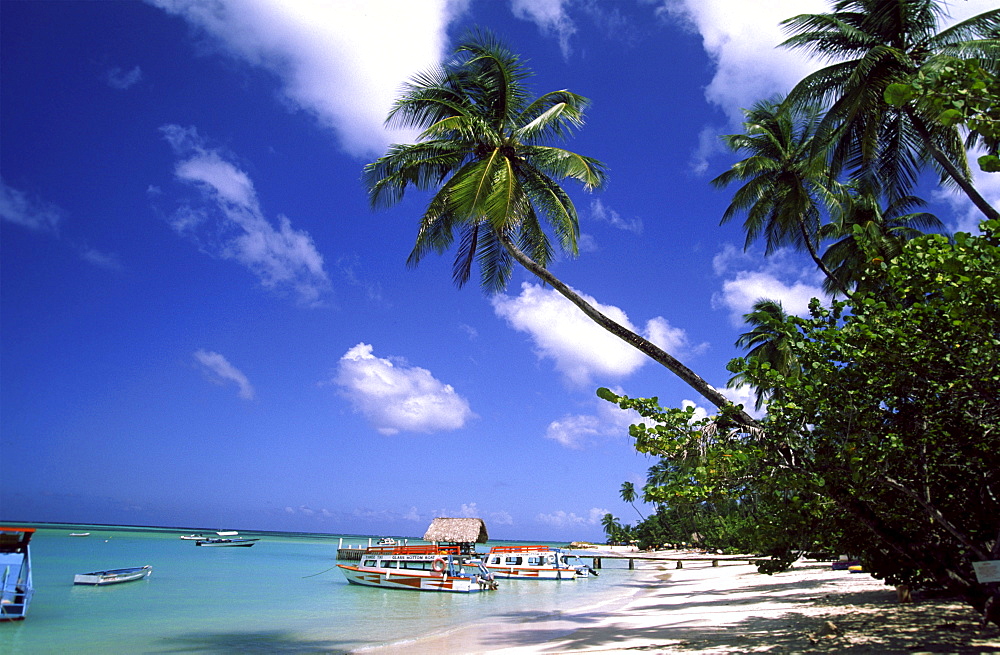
[[283, 595]]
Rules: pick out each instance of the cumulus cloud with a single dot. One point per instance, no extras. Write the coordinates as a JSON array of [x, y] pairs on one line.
[[221, 371], [577, 431], [18, 208], [120, 79], [748, 278], [741, 38], [578, 347], [563, 519], [395, 397], [229, 223], [343, 62]]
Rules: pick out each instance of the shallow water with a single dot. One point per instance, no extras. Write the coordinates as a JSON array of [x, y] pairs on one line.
[[283, 595]]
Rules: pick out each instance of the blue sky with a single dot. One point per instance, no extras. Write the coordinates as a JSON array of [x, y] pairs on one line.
[[205, 324]]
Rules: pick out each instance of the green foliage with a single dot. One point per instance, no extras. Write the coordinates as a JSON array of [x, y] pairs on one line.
[[885, 446], [957, 92]]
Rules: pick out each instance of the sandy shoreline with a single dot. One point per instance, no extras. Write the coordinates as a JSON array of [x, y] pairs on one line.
[[702, 610]]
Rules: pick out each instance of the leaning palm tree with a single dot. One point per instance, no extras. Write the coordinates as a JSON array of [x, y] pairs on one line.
[[628, 495], [786, 187], [766, 341], [483, 150], [873, 44]]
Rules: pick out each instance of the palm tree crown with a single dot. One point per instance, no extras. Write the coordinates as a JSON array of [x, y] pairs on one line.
[[875, 43], [482, 148], [786, 188]]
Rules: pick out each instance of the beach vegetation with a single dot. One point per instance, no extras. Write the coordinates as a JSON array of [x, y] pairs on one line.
[[882, 409], [884, 446]]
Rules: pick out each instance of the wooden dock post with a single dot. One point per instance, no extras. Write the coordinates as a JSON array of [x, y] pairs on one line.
[[631, 563], [680, 564]]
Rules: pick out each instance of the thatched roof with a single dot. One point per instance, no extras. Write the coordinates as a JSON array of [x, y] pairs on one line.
[[459, 531]]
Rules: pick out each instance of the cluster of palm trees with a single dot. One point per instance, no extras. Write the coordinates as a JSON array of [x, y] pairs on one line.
[[832, 162]]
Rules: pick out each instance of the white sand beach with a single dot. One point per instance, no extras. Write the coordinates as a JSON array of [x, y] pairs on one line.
[[702, 610]]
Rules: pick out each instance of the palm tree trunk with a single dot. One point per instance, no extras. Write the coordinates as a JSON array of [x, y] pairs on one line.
[[819, 261], [953, 171], [645, 346]]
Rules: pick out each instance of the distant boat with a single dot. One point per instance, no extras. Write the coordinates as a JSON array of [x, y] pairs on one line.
[[79, 534], [113, 576], [16, 587], [226, 542], [227, 533], [386, 541], [193, 537]]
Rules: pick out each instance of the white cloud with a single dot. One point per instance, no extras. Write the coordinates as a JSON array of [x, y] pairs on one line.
[[749, 278], [550, 16], [579, 431], [599, 212], [16, 207], [231, 224], [395, 397], [343, 62], [108, 261], [742, 38], [563, 519], [221, 371], [579, 348], [120, 79]]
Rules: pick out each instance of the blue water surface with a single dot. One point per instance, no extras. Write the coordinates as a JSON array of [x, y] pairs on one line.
[[283, 595]]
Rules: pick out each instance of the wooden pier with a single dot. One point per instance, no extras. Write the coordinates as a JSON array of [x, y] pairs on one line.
[[678, 560]]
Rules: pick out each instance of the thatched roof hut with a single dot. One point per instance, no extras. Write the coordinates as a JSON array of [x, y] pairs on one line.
[[457, 531]]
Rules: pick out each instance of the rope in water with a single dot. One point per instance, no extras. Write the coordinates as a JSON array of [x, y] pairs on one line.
[[320, 573]]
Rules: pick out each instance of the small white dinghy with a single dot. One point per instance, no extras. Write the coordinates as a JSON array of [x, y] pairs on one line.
[[113, 576]]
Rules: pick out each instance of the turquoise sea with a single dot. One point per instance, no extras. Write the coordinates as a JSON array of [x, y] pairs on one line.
[[283, 595]]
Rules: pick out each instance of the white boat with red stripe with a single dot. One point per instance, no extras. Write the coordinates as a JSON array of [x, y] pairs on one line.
[[535, 563], [422, 568]]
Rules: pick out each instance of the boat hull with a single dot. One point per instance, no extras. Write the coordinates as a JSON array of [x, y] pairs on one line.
[[219, 543], [414, 581], [113, 576], [526, 573]]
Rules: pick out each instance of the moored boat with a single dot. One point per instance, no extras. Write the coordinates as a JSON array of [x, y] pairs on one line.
[[422, 568], [226, 542], [193, 537], [79, 534], [16, 587], [535, 563], [113, 576]]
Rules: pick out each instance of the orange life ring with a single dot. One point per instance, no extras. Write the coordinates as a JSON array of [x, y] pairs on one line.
[[438, 565]]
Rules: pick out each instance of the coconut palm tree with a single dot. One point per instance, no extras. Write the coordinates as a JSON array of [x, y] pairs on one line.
[[875, 43], [786, 187], [628, 495], [482, 149], [865, 232], [767, 342]]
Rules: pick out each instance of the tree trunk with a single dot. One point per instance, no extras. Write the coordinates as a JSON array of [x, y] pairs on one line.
[[953, 171], [628, 336]]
